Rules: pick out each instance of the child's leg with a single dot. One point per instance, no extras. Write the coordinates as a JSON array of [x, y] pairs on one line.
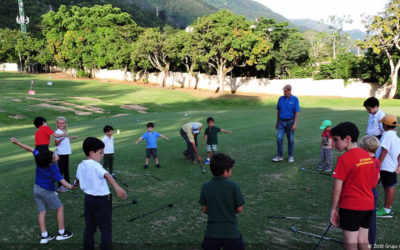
[[389, 196], [372, 224], [106, 161], [111, 163], [42, 221], [156, 158], [329, 154], [321, 160], [61, 167], [90, 222], [208, 155], [60, 218], [147, 161], [362, 239], [350, 239]]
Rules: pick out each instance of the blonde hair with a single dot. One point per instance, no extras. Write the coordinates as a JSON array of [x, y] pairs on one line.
[[61, 118], [369, 143]]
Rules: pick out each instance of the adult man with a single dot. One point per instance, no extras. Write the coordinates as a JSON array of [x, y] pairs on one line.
[[287, 114], [189, 132]]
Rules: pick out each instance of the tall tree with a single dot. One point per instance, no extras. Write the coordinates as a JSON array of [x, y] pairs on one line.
[[383, 34], [336, 25]]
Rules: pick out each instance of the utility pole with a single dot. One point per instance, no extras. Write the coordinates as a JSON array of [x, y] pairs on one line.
[[22, 19]]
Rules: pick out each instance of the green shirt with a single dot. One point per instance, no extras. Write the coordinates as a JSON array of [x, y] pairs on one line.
[[222, 197], [211, 133]]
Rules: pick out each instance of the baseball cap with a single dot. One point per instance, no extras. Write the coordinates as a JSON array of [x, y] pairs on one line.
[[195, 128], [325, 123], [389, 120]]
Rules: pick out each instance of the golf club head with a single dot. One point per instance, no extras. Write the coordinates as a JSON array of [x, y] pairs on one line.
[[294, 228], [170, 205], [302, 169], [134, 201]]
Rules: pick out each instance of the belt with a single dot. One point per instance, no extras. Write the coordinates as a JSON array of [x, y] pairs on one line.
[[285, 120]]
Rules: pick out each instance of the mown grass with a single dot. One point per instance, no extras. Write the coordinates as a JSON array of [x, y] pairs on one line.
[[269, 188]]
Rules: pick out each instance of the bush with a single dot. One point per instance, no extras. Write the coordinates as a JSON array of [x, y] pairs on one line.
[[301, 72]]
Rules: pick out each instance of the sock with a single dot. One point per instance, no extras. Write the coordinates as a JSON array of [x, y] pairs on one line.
[[61, 231], [387, 210], [45, 234], [208, 159]]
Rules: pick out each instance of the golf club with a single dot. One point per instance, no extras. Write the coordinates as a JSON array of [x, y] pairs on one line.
[[293, 217], [315, 235], [142, 215], [314, 172], [154, 177], [323, 235], [134, 201]]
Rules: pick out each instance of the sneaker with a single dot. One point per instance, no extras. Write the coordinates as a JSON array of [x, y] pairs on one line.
[[381, 213], [186, 156], [207, 162], [158, 166], [64, 236], [319, 168], [45, 240], [291, 159], [277, 158], [114, 175], [328, 169], [203, 170], [146, 166]]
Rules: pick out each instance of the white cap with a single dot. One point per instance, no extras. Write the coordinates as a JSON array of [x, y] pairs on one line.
[[196, 128]]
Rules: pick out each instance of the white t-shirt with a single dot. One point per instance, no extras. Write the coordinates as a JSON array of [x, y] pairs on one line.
[[374, 127], [64, 148], [91, 178], [391, 143], [109, 145]]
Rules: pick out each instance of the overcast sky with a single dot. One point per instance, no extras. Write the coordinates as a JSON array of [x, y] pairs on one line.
[[321, 9]]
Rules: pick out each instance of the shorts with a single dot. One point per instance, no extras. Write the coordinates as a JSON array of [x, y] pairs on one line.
[[45, 199], [150, 152], [212, 147], [352, 220], [388, 179], [216, 243]]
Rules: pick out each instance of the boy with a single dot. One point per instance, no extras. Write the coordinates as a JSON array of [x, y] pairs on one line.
[[326, 147], [151, 144], [221, 200], [212, 140], [352, 187], [371, 144], [108, 141], [42, 135], [389, 157], [44, 191], [375, 114], [92, 179]]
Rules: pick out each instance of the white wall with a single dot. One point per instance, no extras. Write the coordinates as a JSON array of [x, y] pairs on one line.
[[12, 67]]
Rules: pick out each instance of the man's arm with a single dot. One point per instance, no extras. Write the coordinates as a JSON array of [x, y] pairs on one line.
[[21, 145], [120, 192], [336, 190], [277, 119], [226, 131], [383, 155], [196, 152], [296, 117]]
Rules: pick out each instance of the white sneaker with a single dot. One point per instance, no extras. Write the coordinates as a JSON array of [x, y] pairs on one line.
[[291, 159], [45, 240], [64, 236], [277, 158]]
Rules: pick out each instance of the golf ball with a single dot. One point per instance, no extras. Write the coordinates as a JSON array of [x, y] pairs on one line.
[[186, 114], [137, 120]]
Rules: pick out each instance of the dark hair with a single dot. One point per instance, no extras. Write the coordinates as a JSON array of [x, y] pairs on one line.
[[210, 119], [387, 127], [92, 144], [150, 125], [344, 129], [39, 121], [44, 158], [107, 128], [371, 102], [219, 163]]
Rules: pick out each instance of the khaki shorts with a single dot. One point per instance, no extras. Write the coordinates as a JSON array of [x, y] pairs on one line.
[[212, 147]]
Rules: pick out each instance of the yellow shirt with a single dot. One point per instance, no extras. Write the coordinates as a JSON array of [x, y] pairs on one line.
[[187, 127]]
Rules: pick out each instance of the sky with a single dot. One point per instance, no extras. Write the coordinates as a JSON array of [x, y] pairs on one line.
[[321, 9]]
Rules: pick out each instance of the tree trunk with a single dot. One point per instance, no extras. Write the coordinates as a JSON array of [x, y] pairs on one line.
[[221, 77], [394, 76], [334, 47], [164, 77]]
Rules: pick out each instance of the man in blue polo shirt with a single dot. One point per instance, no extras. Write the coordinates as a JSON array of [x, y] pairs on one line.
[[287, 114]]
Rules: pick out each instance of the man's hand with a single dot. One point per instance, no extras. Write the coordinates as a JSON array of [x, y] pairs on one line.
[[294, 127]]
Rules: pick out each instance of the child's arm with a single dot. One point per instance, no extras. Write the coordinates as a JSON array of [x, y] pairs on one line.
[[73, 137], [164, 137], [59, 135], [140, 139], [398, 165], [67, 185], [239, 209], [383, 155], [204, 208], [120, 192], [204, 139], [21, 145], [57, 142], [226, 131], [336, 190]]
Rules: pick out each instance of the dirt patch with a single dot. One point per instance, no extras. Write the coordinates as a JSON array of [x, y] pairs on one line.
[[2, 111], [136, 107], [17, 117], [87, 109], [88, 99], [61, 108], [119, 115], [16, 100]]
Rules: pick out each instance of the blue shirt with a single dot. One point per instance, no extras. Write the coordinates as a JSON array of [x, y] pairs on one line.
[[46, 176], [151, 139], [288, 107]]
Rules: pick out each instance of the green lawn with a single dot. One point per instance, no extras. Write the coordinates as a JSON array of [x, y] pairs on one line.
[[268, 188]]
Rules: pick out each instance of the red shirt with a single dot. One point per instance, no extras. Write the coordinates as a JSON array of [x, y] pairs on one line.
[[42, 135], [356, 169], [327, 141], [377, 170]]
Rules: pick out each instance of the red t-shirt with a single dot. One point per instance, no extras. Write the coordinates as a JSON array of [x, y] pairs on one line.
[[356, 169], [42, 135], [327, 141], [377, 170]]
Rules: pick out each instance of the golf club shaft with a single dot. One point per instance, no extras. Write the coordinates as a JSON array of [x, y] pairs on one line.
[[323, 235], [318, 236], [142, 215], [314, 172]]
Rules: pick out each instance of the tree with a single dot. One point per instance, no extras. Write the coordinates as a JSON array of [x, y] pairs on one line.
[[336, 31], [320, 45], [383, 35], [226, 41], [8, 40]]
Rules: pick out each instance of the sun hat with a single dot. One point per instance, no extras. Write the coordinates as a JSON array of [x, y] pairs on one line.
[[195, 128], [389, 120], [325, 123]]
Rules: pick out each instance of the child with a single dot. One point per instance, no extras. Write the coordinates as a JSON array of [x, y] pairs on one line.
[[151, 143], [370, 144], [212, 140], [221, 200], [42, 135], [352, 187], [44, 191], [389, 157], [63, 150], [108, 141], [375, 114], [92, 178], [326, 147]]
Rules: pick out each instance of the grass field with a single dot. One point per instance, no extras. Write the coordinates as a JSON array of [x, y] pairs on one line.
[[268, 188]]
